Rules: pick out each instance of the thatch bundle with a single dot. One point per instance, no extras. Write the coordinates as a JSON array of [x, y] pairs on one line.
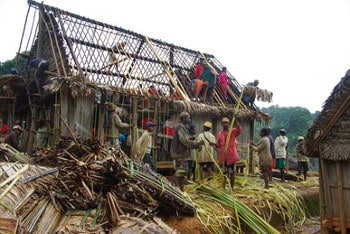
[[217, 111]]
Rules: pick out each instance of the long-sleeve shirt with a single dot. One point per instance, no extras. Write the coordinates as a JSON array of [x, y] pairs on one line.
[[300, 152], [144, 143], [272, 147], [206, 151], [264, 153], [281, 143], [12, 140], [116, 123], [230, 156], [222, 78], [182, 143]]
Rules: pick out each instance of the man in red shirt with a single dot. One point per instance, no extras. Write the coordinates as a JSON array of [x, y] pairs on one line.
[[198, 83], [228, 155]]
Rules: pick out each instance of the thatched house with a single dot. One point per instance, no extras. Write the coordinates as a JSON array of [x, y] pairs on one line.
[[92, 63], [329, 140]]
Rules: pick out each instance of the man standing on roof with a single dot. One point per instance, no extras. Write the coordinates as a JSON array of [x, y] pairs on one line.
[[223, 83], [280, 144], [250, 92], [116, 123], [300, 152], [180, 147], [228, 154], [13, 136], [206, 152], [209, 77]]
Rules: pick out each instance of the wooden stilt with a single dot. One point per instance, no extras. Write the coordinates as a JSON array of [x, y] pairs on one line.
[[134, 129]]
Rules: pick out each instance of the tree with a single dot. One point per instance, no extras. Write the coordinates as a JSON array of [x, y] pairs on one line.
[[18, 62]]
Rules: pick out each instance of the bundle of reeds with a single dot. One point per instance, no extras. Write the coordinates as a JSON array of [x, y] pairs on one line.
[[249, 208]]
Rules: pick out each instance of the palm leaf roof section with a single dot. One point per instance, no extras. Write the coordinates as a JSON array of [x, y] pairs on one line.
[[84, 46]]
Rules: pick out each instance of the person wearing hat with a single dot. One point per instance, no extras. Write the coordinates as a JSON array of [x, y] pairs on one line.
[[13, 136], [280, 145], [206, 152], [228, 154], [144, 145], [300, 152], [41, 135], [116, 123], [180, 146]]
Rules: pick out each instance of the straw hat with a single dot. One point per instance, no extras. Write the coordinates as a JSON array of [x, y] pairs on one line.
[[300, 138], [225, 120], [111, 106], [283, 130], [208, 124], [183, 114], [17, 127]]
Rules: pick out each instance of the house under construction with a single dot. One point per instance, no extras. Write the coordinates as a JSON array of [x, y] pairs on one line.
[[91, 63]]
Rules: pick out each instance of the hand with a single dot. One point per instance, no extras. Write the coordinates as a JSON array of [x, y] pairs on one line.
[[132, 125], [251, 142]]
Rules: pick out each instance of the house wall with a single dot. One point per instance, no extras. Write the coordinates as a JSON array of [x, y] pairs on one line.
[[335, 176], [336, 192]]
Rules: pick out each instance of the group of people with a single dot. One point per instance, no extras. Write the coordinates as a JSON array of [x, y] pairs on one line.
[[13, 137], [205, 143], [205, 79]]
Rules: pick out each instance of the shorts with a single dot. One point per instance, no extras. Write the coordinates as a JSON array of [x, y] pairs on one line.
[[280, 163], [229, 169], [304, 166]]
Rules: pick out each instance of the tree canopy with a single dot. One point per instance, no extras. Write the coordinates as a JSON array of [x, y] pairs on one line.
[[18, 62]]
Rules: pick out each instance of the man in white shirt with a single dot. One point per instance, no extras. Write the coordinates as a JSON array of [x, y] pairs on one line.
[[280, 144]]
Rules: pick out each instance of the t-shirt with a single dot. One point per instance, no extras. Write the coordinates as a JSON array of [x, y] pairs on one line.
[[208, 76]]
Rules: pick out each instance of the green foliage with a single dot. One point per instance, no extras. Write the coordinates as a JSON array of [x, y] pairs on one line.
[[296, 120], [17, 62]]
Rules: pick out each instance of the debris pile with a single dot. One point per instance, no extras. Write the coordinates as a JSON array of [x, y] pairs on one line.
[[90, 176]]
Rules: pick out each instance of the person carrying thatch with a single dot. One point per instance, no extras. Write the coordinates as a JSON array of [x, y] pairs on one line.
[[206, 152], [250, 92], [180, 147], [264, 153], [300, 152], [144, 145], [280, 144], [116, 123], [228, 153], [13, 136]]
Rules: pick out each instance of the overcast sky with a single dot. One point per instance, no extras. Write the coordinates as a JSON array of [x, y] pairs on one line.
[[299, 49]]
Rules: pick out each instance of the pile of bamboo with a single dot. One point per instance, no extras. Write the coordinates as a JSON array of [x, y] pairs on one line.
[[92, 176]]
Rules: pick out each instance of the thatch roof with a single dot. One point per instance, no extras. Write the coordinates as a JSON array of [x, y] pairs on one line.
[[329, 135]]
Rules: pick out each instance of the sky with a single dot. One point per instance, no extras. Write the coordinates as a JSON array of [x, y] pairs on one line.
[[298, 49]]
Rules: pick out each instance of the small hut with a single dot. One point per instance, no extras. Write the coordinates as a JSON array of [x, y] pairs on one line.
[[329, 140], [91, 63]]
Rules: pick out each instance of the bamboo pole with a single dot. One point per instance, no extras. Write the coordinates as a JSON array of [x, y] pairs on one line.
[[178, 86], [134, 129], [327, 196], [341, 203]]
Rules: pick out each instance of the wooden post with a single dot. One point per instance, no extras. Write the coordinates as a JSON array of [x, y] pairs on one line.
[[56, 123], [155, 117], [100, 124], [325, 186], [341, 203], [251, 158], [34, 109], [134, 129], [322, 191]]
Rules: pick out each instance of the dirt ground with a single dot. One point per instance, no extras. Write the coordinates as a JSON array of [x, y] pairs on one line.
[[185, 225]]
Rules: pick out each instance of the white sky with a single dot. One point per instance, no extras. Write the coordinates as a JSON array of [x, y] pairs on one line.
[[299, 49]]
